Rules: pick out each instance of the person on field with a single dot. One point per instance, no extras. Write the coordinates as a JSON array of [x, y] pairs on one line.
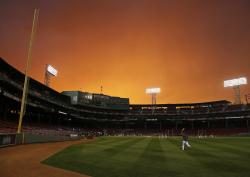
[[184, 139]]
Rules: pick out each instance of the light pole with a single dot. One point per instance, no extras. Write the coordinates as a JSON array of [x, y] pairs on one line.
[[49, 71], [153, 92], [26, 80], [236, 83]]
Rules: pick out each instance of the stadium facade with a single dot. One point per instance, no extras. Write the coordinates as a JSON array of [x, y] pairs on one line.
[[88, 110]]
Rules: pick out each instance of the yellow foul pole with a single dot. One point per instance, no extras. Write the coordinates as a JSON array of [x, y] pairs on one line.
[[26, 80]]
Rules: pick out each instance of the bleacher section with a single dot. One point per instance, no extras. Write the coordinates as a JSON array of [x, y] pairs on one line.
[[11, 127]]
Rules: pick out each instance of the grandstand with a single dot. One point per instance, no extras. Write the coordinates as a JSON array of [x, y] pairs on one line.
[[69, 112]]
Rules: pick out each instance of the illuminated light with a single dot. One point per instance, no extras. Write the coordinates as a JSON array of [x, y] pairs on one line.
[[61, 112], [153, 90], [52, 70], [89, 96], [235, 82], [235, 117], [75, 98], [151, 119]]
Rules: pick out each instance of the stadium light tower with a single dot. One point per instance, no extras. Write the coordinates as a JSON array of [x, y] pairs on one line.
[[153, 92], [236, 83], [49, 71], [247, 96]]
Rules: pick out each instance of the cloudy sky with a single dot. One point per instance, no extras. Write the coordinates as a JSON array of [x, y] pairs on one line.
[[185, 47]]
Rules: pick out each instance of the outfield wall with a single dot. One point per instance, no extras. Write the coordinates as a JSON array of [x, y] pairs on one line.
[[7, 139], [28, 138]]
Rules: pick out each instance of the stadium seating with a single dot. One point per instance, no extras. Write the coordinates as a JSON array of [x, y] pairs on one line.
[[50, 107], [234, 108], [11, 127]]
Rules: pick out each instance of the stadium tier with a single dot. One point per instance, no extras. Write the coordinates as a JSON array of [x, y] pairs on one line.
[[95, 112]]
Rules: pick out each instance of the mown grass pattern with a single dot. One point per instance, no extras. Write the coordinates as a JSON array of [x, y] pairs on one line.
[[157, 157]]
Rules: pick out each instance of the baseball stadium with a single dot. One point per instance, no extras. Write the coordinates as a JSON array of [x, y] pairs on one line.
[[51, 127]]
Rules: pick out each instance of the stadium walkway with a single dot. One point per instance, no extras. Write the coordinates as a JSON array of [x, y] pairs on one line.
[[25, 160]]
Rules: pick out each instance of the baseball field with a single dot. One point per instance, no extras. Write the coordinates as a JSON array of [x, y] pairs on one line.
[[156, 157]]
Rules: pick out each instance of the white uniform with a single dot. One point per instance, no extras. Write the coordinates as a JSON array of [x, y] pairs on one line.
[[185, 140]]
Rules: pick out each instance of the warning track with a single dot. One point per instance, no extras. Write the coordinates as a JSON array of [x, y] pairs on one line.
[[25, 160]]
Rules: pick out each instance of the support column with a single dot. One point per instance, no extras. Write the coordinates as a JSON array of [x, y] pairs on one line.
[[153, 102], [59, 121], [237, 94], [1, 107], [5, 110], [39, 118], [50, 119], [226, 123]]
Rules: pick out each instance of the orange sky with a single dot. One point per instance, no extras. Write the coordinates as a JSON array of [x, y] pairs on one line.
[[187, 48]]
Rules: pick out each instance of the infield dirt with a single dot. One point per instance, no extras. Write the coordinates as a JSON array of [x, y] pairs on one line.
[[25, 160]]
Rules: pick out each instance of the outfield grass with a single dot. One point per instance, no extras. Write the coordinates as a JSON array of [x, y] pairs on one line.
[[154, 157]]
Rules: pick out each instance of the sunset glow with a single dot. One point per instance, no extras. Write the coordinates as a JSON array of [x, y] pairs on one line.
[[187, 48]]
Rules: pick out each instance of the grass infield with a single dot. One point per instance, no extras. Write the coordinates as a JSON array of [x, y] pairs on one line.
[[157, 157]]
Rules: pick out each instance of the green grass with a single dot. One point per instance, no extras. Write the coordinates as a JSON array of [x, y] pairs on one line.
[[154, 157]]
